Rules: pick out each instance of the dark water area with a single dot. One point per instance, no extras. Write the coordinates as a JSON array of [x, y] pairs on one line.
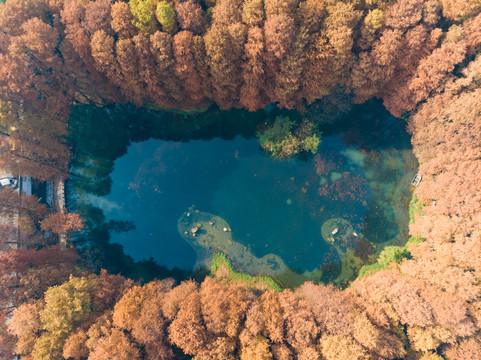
[[136, 172]]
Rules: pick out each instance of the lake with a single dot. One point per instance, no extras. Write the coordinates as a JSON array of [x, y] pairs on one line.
[[267, 215]]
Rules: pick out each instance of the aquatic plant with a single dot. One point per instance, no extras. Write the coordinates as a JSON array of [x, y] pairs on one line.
[[283, 139]]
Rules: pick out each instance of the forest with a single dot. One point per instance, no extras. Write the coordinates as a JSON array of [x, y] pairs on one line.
[[421, 58]]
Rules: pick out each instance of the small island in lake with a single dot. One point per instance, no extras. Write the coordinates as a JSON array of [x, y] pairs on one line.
[[209, 234]]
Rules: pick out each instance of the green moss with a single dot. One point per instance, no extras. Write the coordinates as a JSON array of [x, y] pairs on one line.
[[416, 240], [415, 208], [389, 255], [369, 270], [222, 268]]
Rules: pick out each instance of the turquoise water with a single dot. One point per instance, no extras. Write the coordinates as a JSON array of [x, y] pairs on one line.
[[361, 175]]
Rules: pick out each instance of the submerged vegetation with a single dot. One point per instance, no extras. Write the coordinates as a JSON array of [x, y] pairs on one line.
[[420, 57]]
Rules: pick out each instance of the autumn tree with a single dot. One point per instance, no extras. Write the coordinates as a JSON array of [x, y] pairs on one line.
[[190, 16], [187, 330], [466, 349], [341, 347], [36, 271], [25, 325], [301, 327], [62, 223], [143, 12], [161, 49], [98, 16], [72, 17], [253, 13], [252, 95], [185, 65], [66, 306], [224, 44], [122, 19], [223, 313], [166, 17], [149, 72], [150, 329], [116, 344], [75, 346]]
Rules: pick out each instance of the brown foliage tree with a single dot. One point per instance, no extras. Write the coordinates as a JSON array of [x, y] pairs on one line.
[[122, 20], [187, 330], [149, 72], [62, 223], [98, 16], [36, 271], [72, 16], [258, 348], [162, 52], [128, 61], [190, 16], [25, 325], [279, 32], [224, 47], [223, 312], [456, 10], [252, 96], [301, 327], [330, 307], [403, 14], [220, 349], [186, 67], [115, 345], [465, 349], [311, 14], [103, 53], [175, 298], [128, 309], [150, 327], [109, 290], [341, 347], [253, 13], [75, 346]]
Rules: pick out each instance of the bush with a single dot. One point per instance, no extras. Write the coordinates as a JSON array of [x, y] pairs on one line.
[[393, 254]]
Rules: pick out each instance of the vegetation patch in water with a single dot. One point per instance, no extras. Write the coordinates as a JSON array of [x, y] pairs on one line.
[[284, 138], [222, 269]]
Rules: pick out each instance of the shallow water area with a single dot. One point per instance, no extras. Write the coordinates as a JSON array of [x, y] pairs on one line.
[[273, 209]]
